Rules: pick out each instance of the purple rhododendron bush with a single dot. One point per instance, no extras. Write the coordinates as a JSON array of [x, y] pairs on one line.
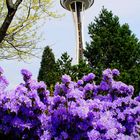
[[78, 110]]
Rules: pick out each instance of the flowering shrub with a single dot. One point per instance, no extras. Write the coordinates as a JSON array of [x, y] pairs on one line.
[[78, 110], [23, 111]]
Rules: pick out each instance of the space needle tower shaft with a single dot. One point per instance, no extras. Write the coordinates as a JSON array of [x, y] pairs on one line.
[[76, 7]]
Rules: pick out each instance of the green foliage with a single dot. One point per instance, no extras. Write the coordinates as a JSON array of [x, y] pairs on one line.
[[51, 71], [64, 64], [81, 69], [114, 46], [47, 71]]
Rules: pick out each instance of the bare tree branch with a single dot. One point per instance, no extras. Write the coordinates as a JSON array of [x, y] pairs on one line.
[[29, 10], [18, 50]]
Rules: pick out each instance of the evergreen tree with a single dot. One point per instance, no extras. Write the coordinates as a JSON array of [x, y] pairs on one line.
[[81, 69], [48, 66], [64, 64], [114, 46]]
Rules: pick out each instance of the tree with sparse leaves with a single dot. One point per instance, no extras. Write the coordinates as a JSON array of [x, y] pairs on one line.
[[19, 21], [114, 45]]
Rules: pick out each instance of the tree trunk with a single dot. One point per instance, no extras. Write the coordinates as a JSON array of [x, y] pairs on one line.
[[6, 24], [12, 8]]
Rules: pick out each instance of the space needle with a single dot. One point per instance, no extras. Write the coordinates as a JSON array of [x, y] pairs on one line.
[[77, 7]]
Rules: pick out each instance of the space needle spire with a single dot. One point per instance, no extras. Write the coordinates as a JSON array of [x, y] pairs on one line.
[[77, 7]]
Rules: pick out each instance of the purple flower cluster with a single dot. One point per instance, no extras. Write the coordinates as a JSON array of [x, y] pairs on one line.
[[78, 110], [23, 110], [3, 81]]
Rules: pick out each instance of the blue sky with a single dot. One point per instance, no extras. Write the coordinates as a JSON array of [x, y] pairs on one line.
[[60, 33]]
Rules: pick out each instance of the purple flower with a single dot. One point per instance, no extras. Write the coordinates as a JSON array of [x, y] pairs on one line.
[[46, 135], [75, 94], [64, 135], [130, 90], [88, 87], [115, 72], [58, 99], [33, 84], [84, 78], [91, 76], [43, 119], [80, 82], [138, 98], [104, 86], [66, 79], [26, 73], [107, 74], [75, 111], [121, 88], [3, 83], [81, 111], [93, 135], [111, 133], [130, 119], [42, 85], [39, 105], [1, 70], [21, 89], [88, 77], [57, 89]]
